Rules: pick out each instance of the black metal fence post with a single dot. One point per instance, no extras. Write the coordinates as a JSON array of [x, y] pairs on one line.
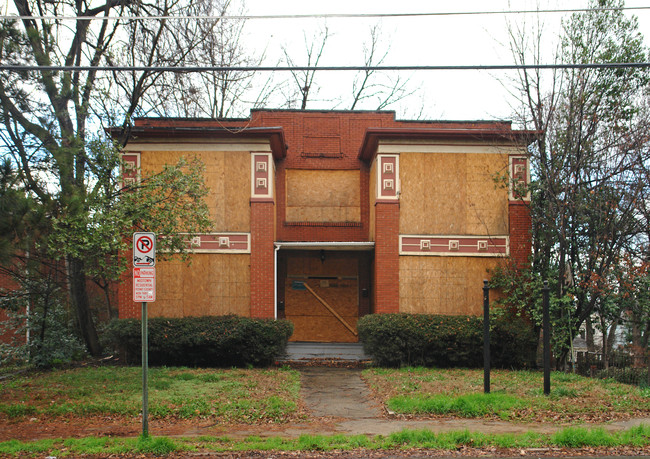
[[486, 337], [547, 339]]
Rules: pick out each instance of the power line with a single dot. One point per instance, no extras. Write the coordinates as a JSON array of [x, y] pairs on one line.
[[194, 69], [319, 16]]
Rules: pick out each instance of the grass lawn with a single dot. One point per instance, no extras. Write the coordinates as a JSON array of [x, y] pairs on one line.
[[235, 395], [515, 395], [630, 442]]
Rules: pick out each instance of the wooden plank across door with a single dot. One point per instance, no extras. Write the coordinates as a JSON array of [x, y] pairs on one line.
[[330, 309]]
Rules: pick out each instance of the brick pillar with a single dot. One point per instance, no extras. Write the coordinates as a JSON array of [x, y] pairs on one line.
[[386, 275], [262, 259], [520, 237]]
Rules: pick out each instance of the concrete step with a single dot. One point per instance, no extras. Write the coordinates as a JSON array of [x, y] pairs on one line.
[[303, 351]]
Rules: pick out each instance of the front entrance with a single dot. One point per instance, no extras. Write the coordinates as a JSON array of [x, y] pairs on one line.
[[323, 292]]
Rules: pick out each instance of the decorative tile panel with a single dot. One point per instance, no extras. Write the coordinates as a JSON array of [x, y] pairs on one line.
[[469, 246], [130, 168], [519, 178], [261, 176], [388, 177], [221, 243]]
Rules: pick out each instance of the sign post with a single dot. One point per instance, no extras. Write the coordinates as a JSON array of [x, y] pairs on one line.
[[486, 337], [546, 325], [144, 290], [145, 372]]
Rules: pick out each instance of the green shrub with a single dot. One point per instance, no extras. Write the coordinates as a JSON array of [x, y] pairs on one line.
[[216, 341], [445, 341]]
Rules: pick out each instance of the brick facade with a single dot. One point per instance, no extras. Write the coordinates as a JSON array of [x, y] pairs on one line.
[[520, 239], [262, 260], [302, 143], [386, 273], [128, 309]]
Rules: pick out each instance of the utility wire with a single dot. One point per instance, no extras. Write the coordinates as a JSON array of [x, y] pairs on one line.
[[318, 16], [194, 69]]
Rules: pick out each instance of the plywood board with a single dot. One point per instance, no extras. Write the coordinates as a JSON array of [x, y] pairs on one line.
[[452, 193], [444, 285], [323, 195], [227, 176], [310, 264], [324, 329], [214, 284], [487, 197], [335, 280], [341, 295]]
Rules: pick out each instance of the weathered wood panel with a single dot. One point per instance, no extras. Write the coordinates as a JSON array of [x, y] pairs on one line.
[[227, 175], [452, 193], [214, 284], [444, 285], [335, 280], [323, 195]]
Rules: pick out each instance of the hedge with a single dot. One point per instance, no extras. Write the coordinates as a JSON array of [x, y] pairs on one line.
[[396, 340], [215, 341]]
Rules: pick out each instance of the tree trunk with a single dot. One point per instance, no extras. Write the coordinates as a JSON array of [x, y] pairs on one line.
[[637, 347], [79, 296], [604, 347], [611, 338], [591, 346]]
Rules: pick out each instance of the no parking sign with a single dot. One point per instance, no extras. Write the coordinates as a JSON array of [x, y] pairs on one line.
[[144, 250], [144, 271]]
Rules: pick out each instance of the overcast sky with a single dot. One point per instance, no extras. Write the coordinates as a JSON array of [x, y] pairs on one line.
[[441, 40]]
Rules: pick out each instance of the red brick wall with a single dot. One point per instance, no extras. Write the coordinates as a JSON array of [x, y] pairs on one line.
[[128, 309], [520, 239], [338, 136], [9, 336], [386, 275], [262, 259], [328, 140]]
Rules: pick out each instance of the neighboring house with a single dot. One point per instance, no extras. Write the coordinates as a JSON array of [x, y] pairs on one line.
[[322, 217], [581, 350]]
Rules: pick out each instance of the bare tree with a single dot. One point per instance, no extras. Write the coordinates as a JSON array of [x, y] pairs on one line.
[[586, 160], [368, 84], [46, 115], [214, 94], [149, 43], [304, 79]]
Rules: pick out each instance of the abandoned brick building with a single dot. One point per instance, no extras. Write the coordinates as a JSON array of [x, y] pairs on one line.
[[321, 217]]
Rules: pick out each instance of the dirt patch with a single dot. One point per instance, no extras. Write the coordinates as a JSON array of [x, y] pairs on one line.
[[44, 427]]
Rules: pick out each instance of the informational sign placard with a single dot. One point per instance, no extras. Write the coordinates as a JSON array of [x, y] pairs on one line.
[[144, 285], [144, 249]]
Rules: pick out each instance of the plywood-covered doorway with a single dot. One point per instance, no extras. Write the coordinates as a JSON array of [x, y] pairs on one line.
[[323, 292]]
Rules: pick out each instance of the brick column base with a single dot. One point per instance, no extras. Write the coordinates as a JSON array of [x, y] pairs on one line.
[[386, 275], [262, 259]]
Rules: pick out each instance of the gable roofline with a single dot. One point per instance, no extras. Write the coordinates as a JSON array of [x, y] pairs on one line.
[[373, 136]]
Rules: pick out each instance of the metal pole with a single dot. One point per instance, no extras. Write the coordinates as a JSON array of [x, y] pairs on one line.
[[486, 337], [145, 368], [547, 339]]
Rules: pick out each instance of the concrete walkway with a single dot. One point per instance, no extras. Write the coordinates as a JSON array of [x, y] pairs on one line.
[[339, 402], [337, 393]]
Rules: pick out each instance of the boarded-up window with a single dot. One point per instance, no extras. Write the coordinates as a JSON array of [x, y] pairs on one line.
[[323, 196]]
